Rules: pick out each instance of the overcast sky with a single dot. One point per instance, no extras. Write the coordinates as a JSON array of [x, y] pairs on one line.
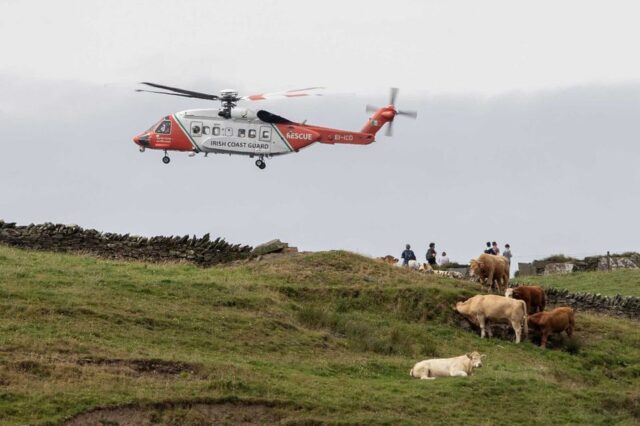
[[527, 130]]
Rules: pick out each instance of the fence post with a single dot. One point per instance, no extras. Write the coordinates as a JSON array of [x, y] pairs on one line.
[[608, 261]]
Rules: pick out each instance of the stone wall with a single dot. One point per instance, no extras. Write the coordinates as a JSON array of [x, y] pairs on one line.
[[72, 238], [628, 306], [562, 264]]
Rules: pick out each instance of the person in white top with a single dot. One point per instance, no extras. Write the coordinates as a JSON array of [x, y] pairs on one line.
[[444, 260]]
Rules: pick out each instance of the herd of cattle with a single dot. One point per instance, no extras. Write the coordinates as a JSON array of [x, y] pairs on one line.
[[522, 307]]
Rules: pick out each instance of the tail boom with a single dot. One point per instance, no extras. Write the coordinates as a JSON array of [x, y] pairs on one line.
[[381, 117]]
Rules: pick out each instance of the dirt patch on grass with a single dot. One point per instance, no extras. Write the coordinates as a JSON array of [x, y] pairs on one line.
[[183, 413], [143, 366]]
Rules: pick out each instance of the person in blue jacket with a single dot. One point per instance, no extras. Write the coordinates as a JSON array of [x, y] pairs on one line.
[[407, 255]]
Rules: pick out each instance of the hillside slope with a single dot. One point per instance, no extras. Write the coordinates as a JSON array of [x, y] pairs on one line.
[[309, 339]]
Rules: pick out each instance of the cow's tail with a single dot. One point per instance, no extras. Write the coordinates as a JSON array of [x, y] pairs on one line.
[[411, 373], [525, 319]]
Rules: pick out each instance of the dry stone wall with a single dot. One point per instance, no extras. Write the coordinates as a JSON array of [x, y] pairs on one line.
[[562, 265], [72, 238], [618, 305]]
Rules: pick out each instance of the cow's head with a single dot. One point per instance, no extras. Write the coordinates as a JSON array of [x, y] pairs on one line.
[[508, 292], [461, 307], [475, 266], [476, 359]]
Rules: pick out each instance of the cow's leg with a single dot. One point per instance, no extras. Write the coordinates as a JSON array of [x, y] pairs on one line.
[[569, 331], [543, 342], [490, 279], [425, 375], [517, 327], [480, 319], [487, 326], [458, 373]]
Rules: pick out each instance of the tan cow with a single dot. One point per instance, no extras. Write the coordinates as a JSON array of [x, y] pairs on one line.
[[490, 268], [483, 307], [555, 321], [460, 366]]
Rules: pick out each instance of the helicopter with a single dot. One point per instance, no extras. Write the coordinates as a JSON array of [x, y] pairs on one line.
[[240, 131]]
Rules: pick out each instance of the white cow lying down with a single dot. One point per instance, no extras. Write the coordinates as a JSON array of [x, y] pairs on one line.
[[447, 367]]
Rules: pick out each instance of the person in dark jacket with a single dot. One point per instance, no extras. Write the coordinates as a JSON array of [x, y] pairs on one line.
[[431, 254], [407, 255], [489, 250]]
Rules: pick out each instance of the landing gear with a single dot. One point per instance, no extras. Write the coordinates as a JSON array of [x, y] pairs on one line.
[[142, 149], [166, 158], [261, 164]]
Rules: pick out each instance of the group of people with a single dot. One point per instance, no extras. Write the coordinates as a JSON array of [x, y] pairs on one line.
[[432, 254], [492, 248]]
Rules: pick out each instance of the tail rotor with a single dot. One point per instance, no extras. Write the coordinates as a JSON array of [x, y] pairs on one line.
[[393, 96]]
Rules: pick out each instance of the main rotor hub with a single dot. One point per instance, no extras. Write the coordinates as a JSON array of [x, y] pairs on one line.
[[229, 94]]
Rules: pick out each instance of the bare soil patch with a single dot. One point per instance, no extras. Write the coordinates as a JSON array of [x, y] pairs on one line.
[[143, 366], [182, 413]]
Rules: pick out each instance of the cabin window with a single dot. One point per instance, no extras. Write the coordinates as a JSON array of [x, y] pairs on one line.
[[206, 130], [164, 128], [216, 131], [242, 133], [252, 133], [265, 133], [196, 128], [228, 131]]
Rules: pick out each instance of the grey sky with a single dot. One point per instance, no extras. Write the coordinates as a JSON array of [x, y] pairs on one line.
[[527, 130]]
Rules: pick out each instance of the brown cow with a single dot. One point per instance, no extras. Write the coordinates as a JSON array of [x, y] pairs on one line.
[[389, 259], [490, 267], [555, 321], [533, 296]]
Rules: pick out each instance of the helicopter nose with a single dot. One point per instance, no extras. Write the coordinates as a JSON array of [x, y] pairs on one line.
[[142, 140]]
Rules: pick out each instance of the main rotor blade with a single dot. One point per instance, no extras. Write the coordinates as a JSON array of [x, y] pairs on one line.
[[173, 94], [389, 131], [183, 91], [411, 114], [372, 108], [295, 93], [393, 95]]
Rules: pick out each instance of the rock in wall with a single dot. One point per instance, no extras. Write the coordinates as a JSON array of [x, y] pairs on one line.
[[72, 238]]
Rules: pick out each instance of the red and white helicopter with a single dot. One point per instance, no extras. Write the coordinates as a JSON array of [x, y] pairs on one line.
[[240, 131]]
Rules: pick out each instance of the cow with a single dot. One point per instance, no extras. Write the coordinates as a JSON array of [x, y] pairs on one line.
[[533, 296], [389, 259], [555, 321], [414, 264], [483, 307], [490, 267], [460, 366]]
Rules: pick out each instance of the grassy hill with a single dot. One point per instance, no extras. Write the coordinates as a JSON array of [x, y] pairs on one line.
[[622, 281], [309, 339]]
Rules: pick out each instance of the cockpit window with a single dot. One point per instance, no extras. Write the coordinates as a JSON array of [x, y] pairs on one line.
[[164, 127]]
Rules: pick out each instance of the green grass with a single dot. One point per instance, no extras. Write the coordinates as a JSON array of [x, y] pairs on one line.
[[622, 281], [328, 337]]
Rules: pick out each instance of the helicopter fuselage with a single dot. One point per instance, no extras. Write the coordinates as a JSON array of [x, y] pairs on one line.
[[248, 132]]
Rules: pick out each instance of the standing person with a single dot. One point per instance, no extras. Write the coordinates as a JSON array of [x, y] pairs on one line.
[[407, 255], [488, 250], [507, 253], [495, 249], [431, 254], [444, 259]]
